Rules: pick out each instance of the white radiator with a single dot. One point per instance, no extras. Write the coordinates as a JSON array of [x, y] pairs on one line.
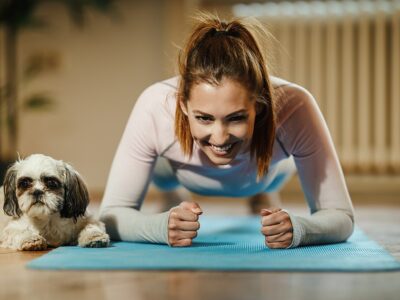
[[348, 55]]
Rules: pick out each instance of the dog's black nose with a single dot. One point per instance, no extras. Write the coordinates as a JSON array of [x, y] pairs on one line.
[[37, 193]]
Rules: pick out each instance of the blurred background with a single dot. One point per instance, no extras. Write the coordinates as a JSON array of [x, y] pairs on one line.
[[71, 71]]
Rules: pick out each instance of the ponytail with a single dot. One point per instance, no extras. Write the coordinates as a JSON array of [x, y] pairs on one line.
[[215, 50]]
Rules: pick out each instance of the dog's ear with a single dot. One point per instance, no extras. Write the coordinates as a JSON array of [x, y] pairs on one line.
[[11, 207], [76, 196]]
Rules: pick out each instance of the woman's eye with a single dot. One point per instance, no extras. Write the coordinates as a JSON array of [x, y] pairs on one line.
[[203, 118], [238, 118]]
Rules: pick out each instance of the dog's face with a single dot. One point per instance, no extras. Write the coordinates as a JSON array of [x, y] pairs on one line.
[[39, 186]]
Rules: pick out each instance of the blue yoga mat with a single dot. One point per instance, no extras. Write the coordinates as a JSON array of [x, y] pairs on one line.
[[224, 244]]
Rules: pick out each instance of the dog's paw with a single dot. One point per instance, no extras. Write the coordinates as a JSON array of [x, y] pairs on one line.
[[95, 240], [97, 244], [33, 243]]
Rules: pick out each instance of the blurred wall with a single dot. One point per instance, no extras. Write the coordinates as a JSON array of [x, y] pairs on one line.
[[104, 68]]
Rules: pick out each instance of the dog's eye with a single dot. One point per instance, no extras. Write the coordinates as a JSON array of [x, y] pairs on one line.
[[52, 183], [24, 183]]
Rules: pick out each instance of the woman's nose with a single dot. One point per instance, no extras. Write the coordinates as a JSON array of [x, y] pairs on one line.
[[219, 134]]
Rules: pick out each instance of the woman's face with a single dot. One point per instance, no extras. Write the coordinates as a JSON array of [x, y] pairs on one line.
[[221, 119]]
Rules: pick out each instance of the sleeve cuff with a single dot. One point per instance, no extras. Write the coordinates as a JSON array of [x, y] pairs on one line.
[[163, 223], [166, 214], [298, 231]]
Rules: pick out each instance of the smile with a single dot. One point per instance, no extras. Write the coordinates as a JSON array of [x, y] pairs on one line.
[[221, 150]]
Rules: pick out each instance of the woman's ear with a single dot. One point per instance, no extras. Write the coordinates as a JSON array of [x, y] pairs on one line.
[[259, 107]]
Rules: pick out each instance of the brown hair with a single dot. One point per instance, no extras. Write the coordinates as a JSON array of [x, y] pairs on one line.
[[217, 50]]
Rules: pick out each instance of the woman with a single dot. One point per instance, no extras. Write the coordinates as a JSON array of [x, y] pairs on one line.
[[225, 127]]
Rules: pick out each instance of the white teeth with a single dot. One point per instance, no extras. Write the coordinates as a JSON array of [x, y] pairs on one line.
[[221, 149]]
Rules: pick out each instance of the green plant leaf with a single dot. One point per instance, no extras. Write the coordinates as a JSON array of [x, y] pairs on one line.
[[38, 101], [40, 62], [17, 13], [76, 8]]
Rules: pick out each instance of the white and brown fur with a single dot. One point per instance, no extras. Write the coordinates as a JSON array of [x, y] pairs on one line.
[[45, 202]]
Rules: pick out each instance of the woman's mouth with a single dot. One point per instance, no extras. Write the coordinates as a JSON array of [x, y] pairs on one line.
[[221, 150]]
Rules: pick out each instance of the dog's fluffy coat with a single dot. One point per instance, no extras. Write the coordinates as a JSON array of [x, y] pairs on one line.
[[45, 201]]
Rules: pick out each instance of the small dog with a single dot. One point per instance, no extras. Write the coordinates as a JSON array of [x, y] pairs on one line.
[[47, 200]]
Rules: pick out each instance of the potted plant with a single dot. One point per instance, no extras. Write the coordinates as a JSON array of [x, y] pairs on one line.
[[16, 16]]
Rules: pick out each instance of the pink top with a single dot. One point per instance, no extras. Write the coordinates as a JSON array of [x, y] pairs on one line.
[[301, 132]]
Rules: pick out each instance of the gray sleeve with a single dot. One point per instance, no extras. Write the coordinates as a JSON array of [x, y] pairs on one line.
[[129, 178], [128, 224], [305, 135], [322, 227]]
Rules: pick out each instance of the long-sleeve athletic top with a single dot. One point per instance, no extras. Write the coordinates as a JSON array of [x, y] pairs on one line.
[[301, 132]]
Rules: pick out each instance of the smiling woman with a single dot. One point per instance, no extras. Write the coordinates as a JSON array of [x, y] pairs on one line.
[[224, 127]]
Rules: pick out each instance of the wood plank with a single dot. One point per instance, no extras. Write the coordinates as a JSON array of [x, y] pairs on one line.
[[381, 223]]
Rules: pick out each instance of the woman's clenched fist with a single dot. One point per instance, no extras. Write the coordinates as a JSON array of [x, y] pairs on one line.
[[183, 224], [277, 228]]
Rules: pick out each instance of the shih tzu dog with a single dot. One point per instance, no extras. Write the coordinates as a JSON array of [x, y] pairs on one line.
[[45, 201]]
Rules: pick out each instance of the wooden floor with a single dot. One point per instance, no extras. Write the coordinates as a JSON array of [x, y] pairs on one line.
[[381, 223]]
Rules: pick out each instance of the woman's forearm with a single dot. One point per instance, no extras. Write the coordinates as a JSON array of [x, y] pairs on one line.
[[129, 224], [322, 227]]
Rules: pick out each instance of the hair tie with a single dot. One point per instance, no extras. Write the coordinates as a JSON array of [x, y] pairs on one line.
[[219, 31]]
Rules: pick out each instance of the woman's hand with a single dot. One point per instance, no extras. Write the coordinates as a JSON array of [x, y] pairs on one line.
[[183, 224], [277, 228]]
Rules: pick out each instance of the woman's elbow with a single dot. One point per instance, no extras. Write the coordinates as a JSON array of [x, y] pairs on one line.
[[110, 221], [347, 223]]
